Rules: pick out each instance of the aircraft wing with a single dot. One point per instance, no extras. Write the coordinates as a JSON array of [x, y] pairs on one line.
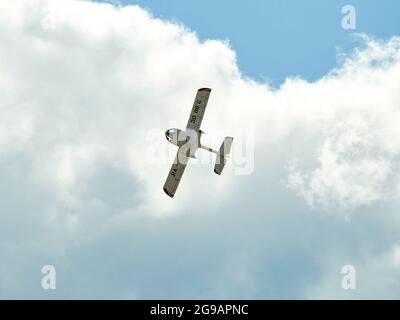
[[199, 107], [176, 172]]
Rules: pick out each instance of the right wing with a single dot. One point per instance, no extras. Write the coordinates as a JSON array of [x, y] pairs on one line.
[[176, 172], [199, 107]]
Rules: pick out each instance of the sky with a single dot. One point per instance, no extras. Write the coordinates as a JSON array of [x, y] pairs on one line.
[[276, 39], [311, 189]]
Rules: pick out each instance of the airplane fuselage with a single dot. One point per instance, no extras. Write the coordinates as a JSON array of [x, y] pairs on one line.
[[188, 137]]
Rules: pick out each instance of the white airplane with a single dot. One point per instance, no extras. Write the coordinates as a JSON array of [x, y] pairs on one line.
[[188, 142]]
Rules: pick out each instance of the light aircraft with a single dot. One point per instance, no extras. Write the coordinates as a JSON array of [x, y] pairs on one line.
[[188, 142]]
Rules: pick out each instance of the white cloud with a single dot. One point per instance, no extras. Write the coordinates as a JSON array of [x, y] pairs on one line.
[[84, 85], [376, 276], [358, 152], [352, 170]]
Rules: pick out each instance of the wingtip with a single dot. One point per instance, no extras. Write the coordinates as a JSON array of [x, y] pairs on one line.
[[218, 173], [205, 89], [168, 193]]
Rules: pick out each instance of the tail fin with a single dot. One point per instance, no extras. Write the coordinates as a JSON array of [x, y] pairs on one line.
[[222, 155]]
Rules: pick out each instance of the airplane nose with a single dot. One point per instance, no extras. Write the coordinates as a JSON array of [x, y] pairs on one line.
[[167, 134]]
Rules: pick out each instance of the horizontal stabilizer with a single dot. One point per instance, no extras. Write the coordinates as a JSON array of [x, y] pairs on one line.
[[222, 153]]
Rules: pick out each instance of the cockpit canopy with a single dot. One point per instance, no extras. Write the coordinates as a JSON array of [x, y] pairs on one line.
[[171, 134]]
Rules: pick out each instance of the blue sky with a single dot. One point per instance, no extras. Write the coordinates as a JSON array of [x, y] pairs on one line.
[[312, 184], [277, 39]]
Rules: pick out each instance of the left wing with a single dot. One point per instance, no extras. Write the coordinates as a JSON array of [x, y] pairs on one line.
[[199, 107], [176, 172]]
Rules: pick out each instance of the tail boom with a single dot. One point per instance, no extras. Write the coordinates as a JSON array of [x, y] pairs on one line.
[[208, 149]]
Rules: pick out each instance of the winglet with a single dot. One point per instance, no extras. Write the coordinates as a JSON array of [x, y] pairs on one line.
[[205, 89], [168, 193]]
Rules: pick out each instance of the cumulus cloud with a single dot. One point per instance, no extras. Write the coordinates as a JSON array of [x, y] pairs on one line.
[[352, 169], [87, 91]]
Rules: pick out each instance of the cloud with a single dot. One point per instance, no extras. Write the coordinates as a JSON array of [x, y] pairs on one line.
[[352, 170], [357, 157], [88, 90], [375, 276]]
